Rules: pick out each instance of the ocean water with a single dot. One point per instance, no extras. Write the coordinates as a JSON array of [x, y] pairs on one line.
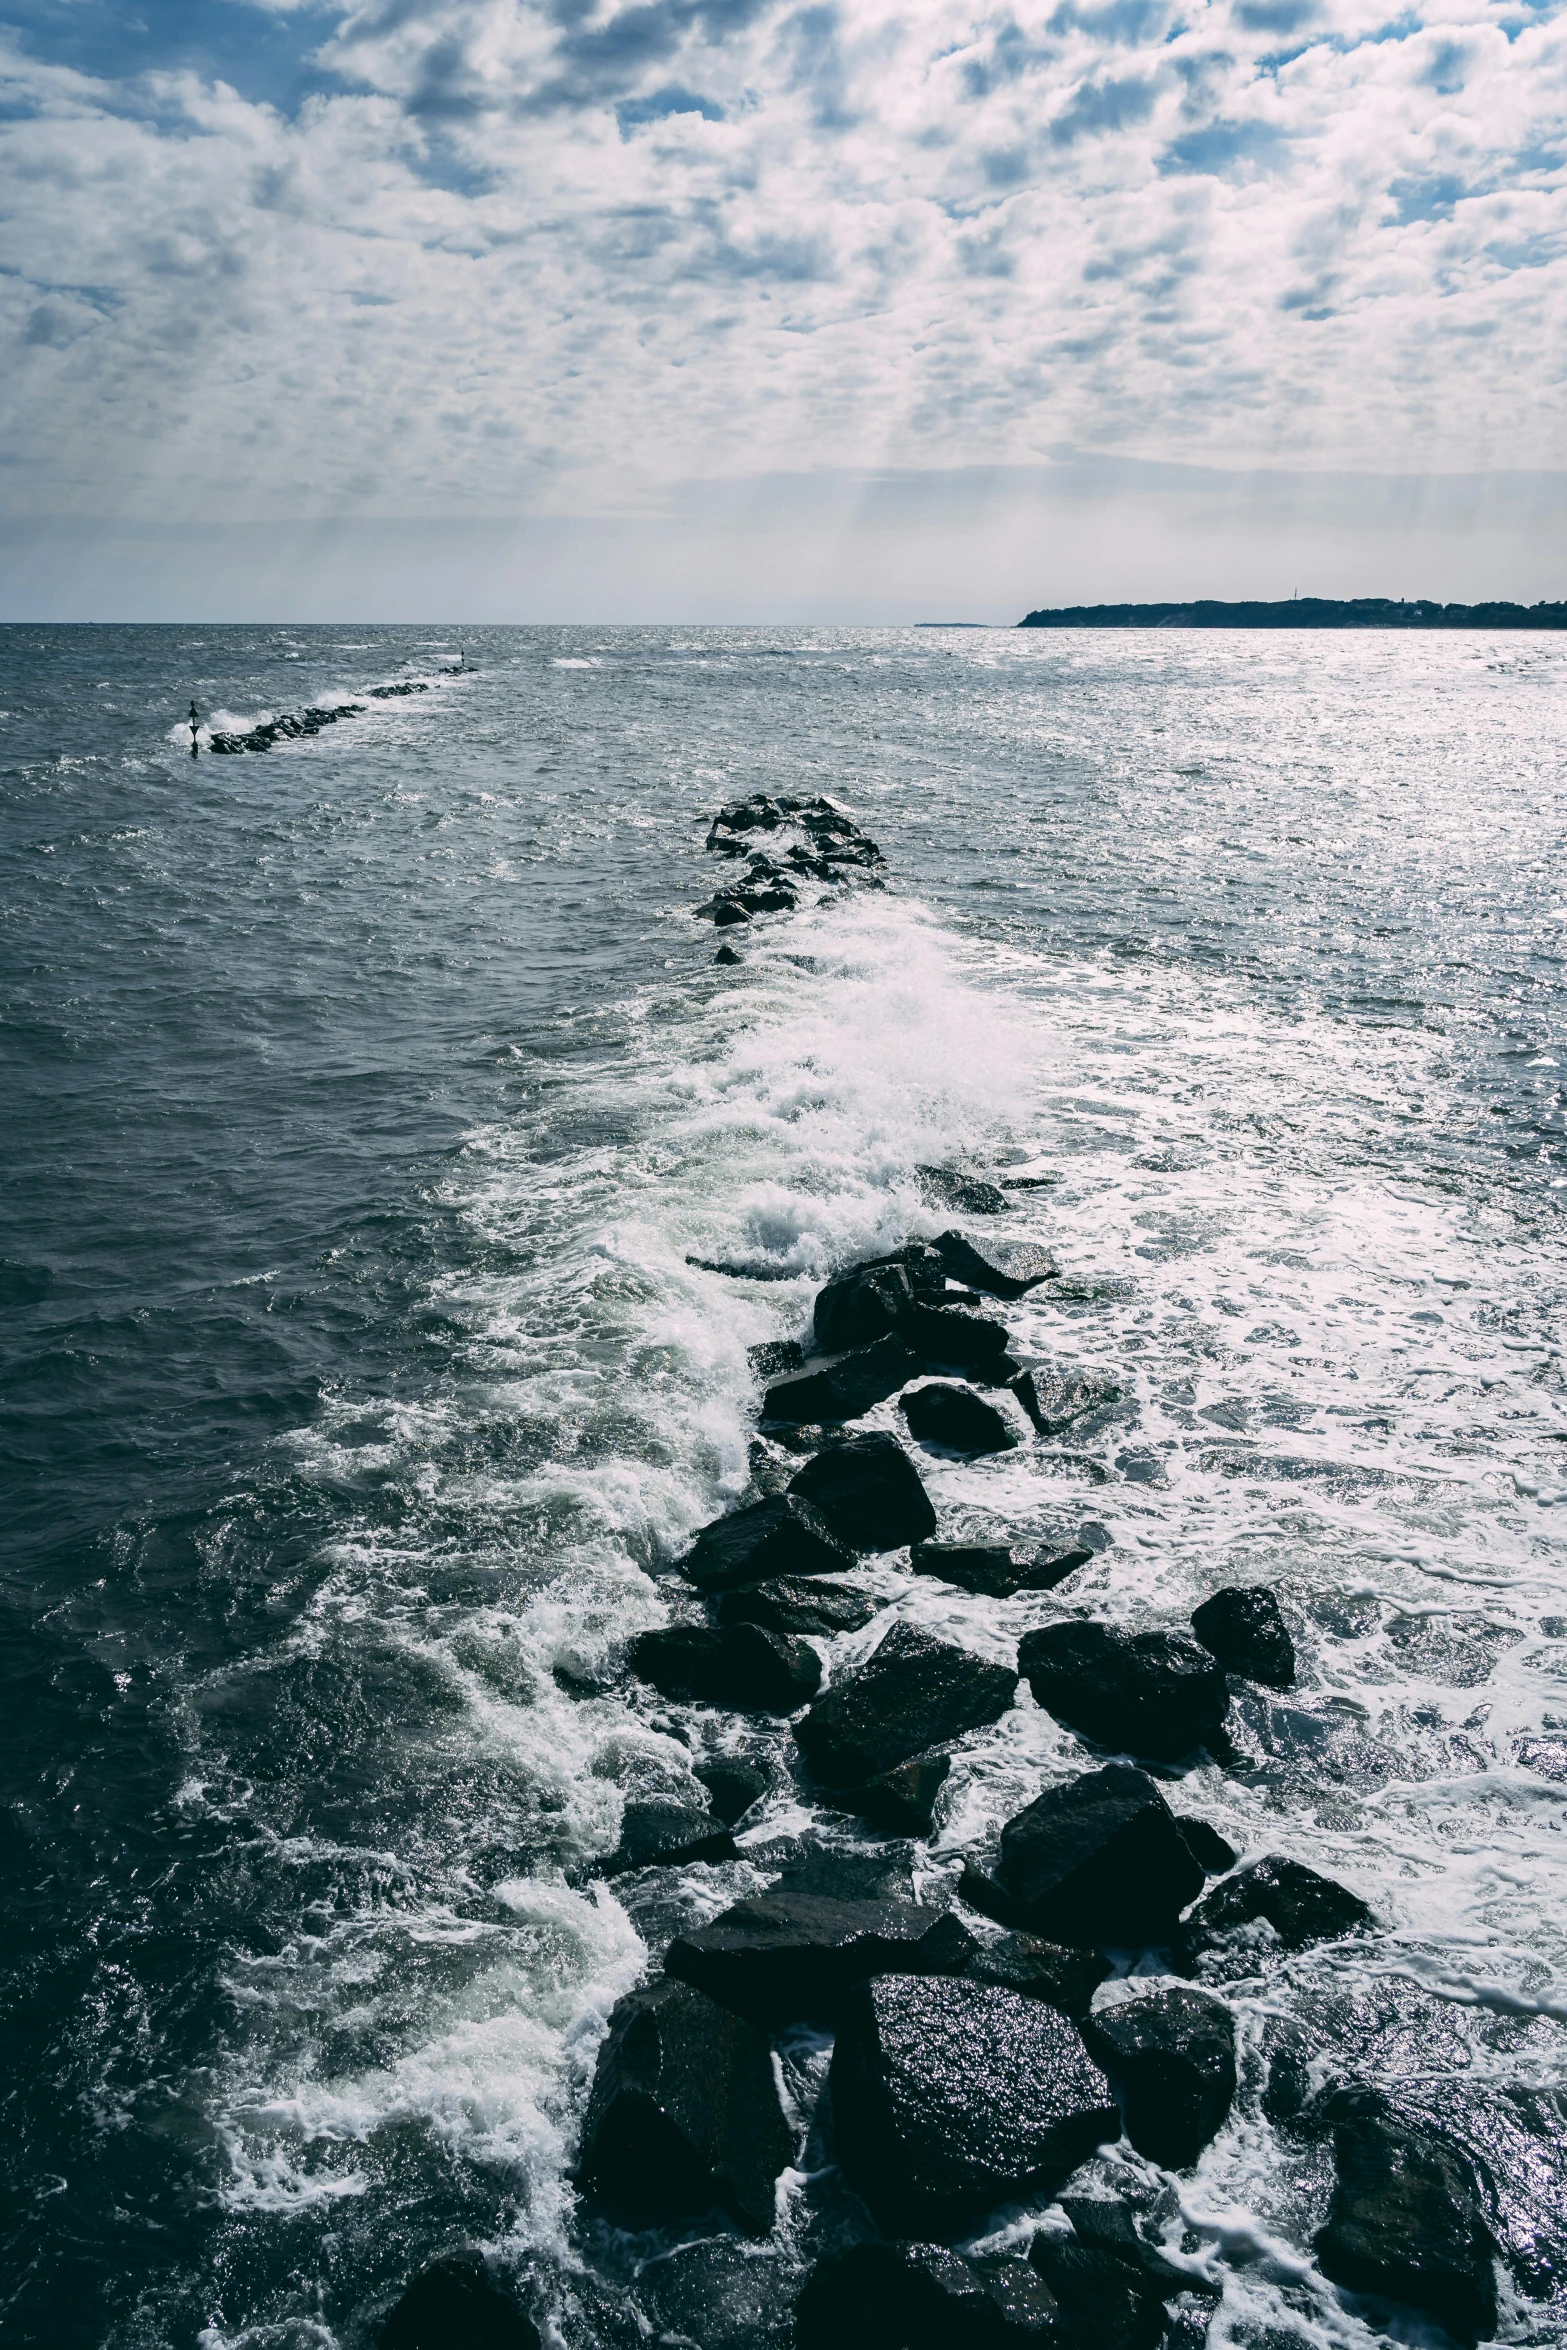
[[365, 1100]]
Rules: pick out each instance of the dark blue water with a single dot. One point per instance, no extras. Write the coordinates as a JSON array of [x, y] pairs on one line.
[[364, 1100]]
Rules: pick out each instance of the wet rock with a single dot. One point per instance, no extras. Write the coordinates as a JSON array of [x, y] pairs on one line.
[[1213, 1854], [784, 1955], [950, 2097], [948, 1336], [1002, 1268], [969, 1193], [1052, 1565], [769, 901], [728, 1664], [845, 1873], [727, 955], [756, 814], [1300, 1906], [854, 1384], [993, 1569], [775, 1355], [1053, 1399], [867, 1492], [914, 1692], [1106, 2303], [720, 2294], [955, 1417], [725, 912], [903, 1800], [734, 1784], [869, 1299], [923, 2297], [1102, 2225], [1063, 1978], [1243, 1628], [657, 1834], [1153, 1693], [782, 1535], [1171, 2057], [1407, 2221], [798, 1606], [1100, 1860], [456, 2299], [685, 2111], [985, 1892]]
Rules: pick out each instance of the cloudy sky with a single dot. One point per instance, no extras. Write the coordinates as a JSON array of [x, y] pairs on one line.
[[641, 298]]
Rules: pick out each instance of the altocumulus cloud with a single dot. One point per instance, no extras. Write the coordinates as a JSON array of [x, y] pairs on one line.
[[466, 256]]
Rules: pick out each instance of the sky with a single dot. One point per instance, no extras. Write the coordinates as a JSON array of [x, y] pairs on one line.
[[743, 309]]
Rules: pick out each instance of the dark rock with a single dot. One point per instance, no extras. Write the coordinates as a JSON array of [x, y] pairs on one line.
[[718, 2292], [1064, 1979], [757, 814], [970, 1193], [1106, 2303], [734, 1785], [768, 901], [1153, 1693], [728, 1664], [1212, 1853], [950, 2097], [843, 1873], [1101, 1860], [847, 1388], [903, 1799], [685, 2111], [656, 1834], [913, 1693], [726, 954], [955, 1417], [775, 1355], [948, 1336], [457, 2300], [993, 1569], [1002, 1268], [1054, 1399], [1105, 2226], [1300, 1906], [1407, 2220], [986, 1893], [726, 912], [781, 1956], [870, 1299], [1051, 1566], [923, 2297], [1243, 1628], [782, 1535], [867, 1492], [800, 1605], [1171, 2057], [1287, 2091]]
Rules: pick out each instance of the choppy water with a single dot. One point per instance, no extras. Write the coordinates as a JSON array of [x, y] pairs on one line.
[[364, 1100]]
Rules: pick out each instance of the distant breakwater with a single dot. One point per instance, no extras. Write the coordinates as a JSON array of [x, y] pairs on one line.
[[1302, 612], [291, 725]]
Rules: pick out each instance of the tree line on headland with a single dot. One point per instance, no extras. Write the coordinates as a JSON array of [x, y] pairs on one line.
[[1302, 612]]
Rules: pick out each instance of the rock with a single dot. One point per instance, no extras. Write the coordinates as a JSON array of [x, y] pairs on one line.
[[1002, 1268], [775, 1355], [728, 1664], [726, 912], [797, 1605], [970, 1193], [1212, 1853], [993, 1569], [955, 1417], [1407, 2221], [923, 2297], [1243, 1628], [903, 1799], [1064, 1979], [984, 1892], [1153, 1693], [1100, 1860], [847, 1388], [867, 1492], [734, 1785], [769, 901], [1105, 2226], [782, 1535], [659, 1834], [685, 2111], [1171, 2057], [720, 2293], [951, 2097], [726, 954], [1054, 1399], [870, 1299], [1300, 1906], [842, 1873], [948, 1336], [1107, 2305], [782, 1956], [1051, 1565], [457, 2300], [914, 1692]]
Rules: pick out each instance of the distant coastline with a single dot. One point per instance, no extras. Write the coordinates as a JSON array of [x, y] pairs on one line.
[[1303, 612]]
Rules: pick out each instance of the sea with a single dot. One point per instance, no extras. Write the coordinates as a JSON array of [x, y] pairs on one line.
[[366, 1099]]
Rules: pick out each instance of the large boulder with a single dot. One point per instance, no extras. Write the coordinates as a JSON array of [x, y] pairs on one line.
[[797, 1605], [846, 1389], [970, 1194], [1171, 2057], [658, 1833], [1153, 1693], [951, 2097], [1100, 1861], [994, 1569], [914, 1692], [956, 1417], [952, 1337], [867, 1492], [903, 1800], [1063, 1978], [457, 2299], [685, 2111], [1105, 2302], [782, 1956], [868, 1299], [1243, 1628], [923, 2297], [1002, 1268], [1294, 1902], [728, 1664], [782, 1535], [1408, 2220]]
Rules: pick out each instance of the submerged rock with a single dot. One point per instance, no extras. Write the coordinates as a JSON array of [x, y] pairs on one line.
[[456, 2299], [954, 1416], [783, 1956], [903, 1800], [1053, 1399], [685, 2111], [662, 1834], [1100, 1860], [1063, 1978], [871, 1299], [800, 1605], [923, 2297], [970, 1193], [1171, 2056], [993, 1568], [950, 2097], [1408, 2220], [1153, 1693], [853, 1385], [728, 1664], [1002, 1268], [914, 1692], [1243, 1628], [867, 1492], [782, 1535], [1300, 1906]]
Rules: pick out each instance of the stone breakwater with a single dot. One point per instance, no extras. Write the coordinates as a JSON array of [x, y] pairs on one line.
[[294, 725], [880, 2090]]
